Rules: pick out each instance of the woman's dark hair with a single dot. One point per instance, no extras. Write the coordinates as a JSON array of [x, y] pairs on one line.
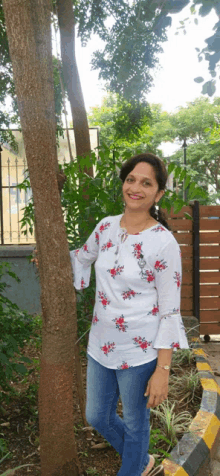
[[160, 174]]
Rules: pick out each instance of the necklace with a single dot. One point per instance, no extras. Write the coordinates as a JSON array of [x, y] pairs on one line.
[[123, 236], [125, 233]]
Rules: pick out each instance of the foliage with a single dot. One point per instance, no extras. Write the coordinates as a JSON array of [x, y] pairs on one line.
[[16, 328], [7, 89], [131, 51], [183, 357], [155, 437], [211, 52], [121, 122], [132, 44], [195, 122], [10, 472], [188, 383], [172, 423]]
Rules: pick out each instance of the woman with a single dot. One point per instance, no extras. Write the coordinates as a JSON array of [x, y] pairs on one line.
[[136, 318]]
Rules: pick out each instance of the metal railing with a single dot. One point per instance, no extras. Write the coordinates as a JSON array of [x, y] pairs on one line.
[[13, 171], [12, 213]]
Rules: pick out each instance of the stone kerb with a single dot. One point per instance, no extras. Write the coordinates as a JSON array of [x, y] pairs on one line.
[[192, 454]]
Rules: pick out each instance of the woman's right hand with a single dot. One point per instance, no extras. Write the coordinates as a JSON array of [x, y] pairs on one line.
[[35, 260]]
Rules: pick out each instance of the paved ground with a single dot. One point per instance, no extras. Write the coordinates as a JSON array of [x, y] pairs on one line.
[[212, 350]]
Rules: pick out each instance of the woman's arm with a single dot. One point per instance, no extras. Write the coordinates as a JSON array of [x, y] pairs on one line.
[[157, 388]]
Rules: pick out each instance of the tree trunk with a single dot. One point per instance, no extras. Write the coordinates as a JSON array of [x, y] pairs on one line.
[[72, 80], [29, 35], [80, 124]]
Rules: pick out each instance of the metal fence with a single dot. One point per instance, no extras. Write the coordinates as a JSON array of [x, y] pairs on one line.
[[12, 200], [13, 171]]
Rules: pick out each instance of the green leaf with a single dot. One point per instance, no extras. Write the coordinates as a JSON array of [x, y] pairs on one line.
[[25, 359], [171, 167], [199, 79], [182, 175], [209, 88], [191, 188], [12, 472], [13, 342], [187, 182], [188, 216], [3, 358], [213, 73], [20, 368], [177, 172]]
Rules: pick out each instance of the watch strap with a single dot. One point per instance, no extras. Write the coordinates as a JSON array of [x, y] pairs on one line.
[[165, 367]]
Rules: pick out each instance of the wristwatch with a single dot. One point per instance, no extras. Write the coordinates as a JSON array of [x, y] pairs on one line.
[[165, 367]]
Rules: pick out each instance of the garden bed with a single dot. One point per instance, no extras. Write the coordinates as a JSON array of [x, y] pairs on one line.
[[19, 435]]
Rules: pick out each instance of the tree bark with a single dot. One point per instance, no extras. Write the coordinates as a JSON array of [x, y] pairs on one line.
[[29, 36], [72, 80], [80, 124]]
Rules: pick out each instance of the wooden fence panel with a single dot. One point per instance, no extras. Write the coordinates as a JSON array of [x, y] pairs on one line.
[[209, 263]]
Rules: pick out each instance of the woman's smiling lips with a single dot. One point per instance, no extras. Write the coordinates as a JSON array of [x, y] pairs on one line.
[[135, 197]]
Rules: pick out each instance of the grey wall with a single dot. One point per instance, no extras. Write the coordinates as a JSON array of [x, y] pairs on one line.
[[25, 294]]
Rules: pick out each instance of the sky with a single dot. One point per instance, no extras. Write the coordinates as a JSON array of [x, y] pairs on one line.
[[174, 83]]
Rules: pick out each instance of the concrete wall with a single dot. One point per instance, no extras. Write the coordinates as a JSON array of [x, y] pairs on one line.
[[25, 294]]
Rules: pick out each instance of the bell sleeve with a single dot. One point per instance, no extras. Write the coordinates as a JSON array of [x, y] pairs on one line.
[[168, 276], [82, 259]]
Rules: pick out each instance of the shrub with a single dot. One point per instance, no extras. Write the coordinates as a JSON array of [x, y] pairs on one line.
[[16, 328]]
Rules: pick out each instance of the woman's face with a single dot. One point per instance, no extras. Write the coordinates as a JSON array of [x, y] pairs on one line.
[[141, 181]]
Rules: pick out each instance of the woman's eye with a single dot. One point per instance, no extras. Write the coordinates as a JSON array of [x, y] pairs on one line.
[[132, 179]]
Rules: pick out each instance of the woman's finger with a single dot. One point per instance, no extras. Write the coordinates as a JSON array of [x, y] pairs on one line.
[[147, 391], [151, 401]]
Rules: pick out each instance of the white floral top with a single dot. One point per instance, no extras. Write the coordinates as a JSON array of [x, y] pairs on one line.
[[138, 288]]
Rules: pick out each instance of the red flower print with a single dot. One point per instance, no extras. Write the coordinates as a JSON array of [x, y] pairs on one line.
[[82, 283], [103, 299], [159, 228], [177, 279], [175, 345], [104, 226], [115, 271], [124, 365], [108, 245], [95, 319], [97, 237], [148, 275], [129, 293], [85, 247], [154, 311], [76, 252], [120, 323], [142, 343], [137, 250], [109, 347], [159, 265]]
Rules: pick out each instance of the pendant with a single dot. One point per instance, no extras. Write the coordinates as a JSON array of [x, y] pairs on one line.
[[141, 261]]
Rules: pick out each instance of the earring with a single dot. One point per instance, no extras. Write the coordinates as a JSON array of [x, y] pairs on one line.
[[156, 211]]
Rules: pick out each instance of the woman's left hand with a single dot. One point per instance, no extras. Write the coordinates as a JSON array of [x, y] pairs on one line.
[[157, 387]]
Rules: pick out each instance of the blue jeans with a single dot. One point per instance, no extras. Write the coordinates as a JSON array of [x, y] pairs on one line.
[[130, 435]]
